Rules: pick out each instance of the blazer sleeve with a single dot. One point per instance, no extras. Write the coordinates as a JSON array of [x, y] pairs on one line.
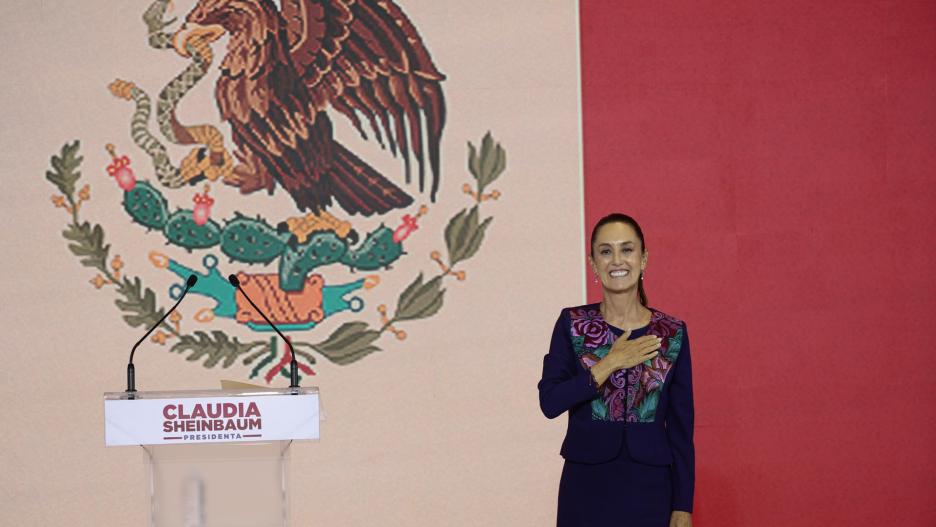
[[564, 383], [679, 428]]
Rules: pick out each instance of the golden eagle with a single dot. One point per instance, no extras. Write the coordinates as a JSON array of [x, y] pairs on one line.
[[285, 67]]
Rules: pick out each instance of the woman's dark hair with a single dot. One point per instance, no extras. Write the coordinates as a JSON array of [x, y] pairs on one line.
[[617, 217]]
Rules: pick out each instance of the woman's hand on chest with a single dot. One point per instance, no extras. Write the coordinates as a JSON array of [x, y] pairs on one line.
[[626, 354]]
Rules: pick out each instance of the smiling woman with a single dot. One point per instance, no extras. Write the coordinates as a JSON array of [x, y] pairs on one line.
[[619, 254], [621, 370]]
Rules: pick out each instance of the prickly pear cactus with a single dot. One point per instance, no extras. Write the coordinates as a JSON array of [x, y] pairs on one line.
[[252, 241], [146, 206], [182, 230], [323, 248], [378, 250]]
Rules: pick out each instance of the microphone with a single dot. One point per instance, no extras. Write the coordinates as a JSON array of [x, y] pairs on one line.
[[131, 372], [293, 365]]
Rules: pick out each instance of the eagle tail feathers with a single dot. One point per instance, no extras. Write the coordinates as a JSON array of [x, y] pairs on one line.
[[359, 188]]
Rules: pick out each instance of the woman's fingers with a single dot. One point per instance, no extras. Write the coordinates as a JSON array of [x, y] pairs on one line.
[[637, 344], [649, 345], [653, 342], [633, 352], [651, 351]]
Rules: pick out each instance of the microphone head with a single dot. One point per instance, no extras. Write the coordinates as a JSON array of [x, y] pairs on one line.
[[191, 280], [234, 281]]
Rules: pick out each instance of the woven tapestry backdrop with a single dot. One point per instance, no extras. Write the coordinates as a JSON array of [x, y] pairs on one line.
[[441, 427]]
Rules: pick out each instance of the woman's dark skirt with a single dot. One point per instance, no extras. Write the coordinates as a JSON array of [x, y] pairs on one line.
[[619, 493]]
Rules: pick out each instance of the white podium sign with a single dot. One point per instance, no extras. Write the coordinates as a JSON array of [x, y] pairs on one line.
[[222, 418]]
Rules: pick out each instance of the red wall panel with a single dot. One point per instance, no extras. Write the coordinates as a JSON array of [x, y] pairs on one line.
[[781, 158]]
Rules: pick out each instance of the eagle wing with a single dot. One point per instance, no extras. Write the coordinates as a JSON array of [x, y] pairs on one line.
[[366, 59]]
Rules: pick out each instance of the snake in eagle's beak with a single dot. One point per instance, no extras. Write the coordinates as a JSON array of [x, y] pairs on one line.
[[189, 31]]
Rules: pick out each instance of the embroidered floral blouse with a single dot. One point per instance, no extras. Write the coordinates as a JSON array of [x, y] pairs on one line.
[[630, 395]]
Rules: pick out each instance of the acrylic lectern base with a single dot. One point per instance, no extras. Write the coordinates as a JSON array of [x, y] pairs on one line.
[[218, 484]]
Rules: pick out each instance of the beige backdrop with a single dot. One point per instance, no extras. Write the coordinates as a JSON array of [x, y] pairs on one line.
[[442, 428]]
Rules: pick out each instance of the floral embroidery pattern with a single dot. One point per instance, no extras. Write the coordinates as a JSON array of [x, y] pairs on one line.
[[591, 326], [630, 395]]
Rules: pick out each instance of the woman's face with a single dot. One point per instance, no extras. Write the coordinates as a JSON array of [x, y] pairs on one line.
[[617, 257]]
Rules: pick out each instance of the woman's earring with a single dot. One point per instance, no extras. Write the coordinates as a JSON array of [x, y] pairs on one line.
[[643, 273], [596, 279]]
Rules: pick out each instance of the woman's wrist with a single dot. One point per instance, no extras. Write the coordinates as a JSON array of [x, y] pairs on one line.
[[599, 372], [594, 379]]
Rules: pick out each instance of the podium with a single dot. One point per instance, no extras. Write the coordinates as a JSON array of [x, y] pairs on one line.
[[215, 458]]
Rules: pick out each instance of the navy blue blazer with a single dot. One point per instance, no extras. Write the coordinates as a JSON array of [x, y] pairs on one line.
[[567, 385]]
